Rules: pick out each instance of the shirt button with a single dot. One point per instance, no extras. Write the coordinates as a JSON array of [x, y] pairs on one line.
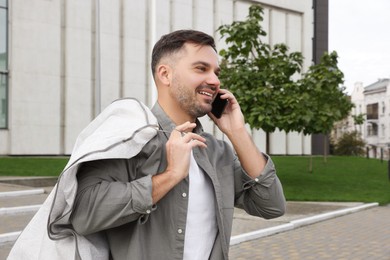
[[148, 211], [180, 231], [257, 180], [184, 194]]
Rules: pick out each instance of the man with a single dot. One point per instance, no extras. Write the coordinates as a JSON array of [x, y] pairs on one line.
[[175, 199]]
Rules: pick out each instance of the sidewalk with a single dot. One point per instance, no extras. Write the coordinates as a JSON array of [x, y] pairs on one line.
[[245, 229], [358, 236], [298, 214]]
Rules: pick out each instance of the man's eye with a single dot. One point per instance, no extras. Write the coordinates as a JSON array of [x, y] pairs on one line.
[[201, 68]]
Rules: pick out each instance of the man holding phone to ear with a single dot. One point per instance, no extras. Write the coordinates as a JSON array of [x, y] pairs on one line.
[[175, 199]]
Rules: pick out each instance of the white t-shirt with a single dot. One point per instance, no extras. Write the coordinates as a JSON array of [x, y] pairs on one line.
[[201, 228]]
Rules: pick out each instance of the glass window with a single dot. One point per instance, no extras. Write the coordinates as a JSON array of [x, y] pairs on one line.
[[3, 39], [3, 100], [3, 65], [372, 111], [3, 3]]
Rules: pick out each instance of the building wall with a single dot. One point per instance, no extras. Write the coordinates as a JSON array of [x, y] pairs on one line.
[[382, 138], [357, 98], [361, 97], [57, 47]]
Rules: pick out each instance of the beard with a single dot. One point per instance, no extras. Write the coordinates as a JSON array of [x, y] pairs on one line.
[[187, 99]]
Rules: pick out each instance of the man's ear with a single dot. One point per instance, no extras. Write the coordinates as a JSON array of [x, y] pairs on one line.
[[163, 74]]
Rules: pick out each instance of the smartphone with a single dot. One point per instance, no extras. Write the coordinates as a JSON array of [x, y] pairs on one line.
[[218, 106]]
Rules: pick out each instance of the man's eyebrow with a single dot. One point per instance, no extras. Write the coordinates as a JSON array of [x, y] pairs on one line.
[[201, 63], [206, 64]]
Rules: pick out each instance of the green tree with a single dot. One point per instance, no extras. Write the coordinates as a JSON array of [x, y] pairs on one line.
[[358, 119], [261, 77], [324, 97]]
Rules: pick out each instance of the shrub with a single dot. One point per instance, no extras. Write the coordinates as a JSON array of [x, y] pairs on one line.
[[350, 143]]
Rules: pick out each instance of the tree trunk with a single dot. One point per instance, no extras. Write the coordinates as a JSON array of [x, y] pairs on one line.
[[311, 164]]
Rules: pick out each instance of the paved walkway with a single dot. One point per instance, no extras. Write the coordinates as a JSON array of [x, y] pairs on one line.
[[362, 235], [308, 230]]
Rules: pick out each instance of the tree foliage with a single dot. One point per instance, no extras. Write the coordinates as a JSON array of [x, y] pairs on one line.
[[262, 78], [324, 99], [260, 75], [359, 119]]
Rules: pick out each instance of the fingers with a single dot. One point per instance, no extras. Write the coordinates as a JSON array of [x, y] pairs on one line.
[[183, 133], [228, 95], [194, 140], [186, 127], [179, 147]]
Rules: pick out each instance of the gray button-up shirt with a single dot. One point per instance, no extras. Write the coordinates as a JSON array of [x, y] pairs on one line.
[[115, 197]]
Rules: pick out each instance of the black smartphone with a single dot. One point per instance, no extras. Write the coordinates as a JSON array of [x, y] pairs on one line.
[[218, 106]]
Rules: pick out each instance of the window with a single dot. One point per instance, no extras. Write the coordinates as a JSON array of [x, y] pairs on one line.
[[372, 129], [383, 129], [3, 64], [372, 111]]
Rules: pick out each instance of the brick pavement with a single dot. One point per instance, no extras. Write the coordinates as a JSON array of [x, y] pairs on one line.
[[361, 235]]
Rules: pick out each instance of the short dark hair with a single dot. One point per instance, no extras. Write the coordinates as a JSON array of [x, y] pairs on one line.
[[173, 42]]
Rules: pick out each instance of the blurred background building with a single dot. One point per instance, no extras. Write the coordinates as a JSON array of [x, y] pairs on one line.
[[63, 61], [373, 102]]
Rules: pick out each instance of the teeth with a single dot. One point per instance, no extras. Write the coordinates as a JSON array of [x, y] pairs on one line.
[[205, 93]]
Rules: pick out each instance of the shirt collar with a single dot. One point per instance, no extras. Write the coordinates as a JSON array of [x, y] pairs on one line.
[[167, 124]]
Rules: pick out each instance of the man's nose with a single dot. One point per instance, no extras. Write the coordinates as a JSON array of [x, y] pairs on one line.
[[213, 80]]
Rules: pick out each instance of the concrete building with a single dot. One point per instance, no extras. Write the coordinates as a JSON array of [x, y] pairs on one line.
[[377, 123], [63, 61], [373, 101]]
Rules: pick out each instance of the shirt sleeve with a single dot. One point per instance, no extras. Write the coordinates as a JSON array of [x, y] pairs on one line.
[[262, 196], [106, 198]]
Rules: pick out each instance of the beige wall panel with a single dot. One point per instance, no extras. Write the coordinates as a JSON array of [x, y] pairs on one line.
[[181, 14], [110, 51], [294, 32], [52, 60], [277, 27], [34, 77], [278, 143], [135, 38], [34, 123], [78, 109], [203, 16]]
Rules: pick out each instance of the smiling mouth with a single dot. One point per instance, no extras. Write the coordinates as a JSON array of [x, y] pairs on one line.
[[205, 93]]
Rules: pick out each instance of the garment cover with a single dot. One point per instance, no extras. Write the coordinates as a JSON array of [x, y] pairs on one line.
[[120, 131]]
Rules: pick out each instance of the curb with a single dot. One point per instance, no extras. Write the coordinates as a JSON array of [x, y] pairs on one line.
[[21, 193], [338, 213], [12, 236], [19, 210], [9, 237], [45, 181], [296, 224]]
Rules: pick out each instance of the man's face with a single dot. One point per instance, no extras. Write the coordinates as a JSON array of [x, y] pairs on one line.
[[195, 80]]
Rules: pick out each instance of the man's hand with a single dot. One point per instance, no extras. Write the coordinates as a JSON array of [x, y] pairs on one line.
[[232, 123], [179, 147], [232, 118]]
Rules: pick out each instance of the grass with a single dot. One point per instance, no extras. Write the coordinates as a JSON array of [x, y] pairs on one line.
[[32, 166], [353, 179]]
